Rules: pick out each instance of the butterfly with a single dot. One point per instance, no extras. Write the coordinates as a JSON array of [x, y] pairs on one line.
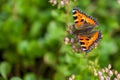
[[84, 25]]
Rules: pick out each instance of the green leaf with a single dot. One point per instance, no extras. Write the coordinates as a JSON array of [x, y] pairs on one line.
[[5, 69], [30, 76], [35, 29], [50, 58], [22, 47], [15, 78]]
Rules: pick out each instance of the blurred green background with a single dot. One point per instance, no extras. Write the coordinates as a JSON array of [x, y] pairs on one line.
[[32, 36]]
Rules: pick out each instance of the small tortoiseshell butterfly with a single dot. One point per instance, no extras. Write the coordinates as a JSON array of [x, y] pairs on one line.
[[84, 25]]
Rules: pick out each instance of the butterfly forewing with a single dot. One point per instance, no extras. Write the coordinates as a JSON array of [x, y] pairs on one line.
[[83, 21]]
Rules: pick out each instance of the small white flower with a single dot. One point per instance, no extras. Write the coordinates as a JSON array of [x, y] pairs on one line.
[[54, 2], [106, 70], [66, 40], [110, 73], [101, 78], [107, 78], [103, 70], [62, 3], [118, 1], [100, 73], [116, 72], [95, 72], [118, 76], [109, 66]]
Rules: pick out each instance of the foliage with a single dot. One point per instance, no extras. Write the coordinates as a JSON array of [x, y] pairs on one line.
[[32, 36]]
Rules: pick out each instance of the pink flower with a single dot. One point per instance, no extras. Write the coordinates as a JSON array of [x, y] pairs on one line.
[[110, 73], [62, 3], [107, 78], [101, 78], [118, 76]]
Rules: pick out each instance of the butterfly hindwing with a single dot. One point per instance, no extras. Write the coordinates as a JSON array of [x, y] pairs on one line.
[[88, 40]]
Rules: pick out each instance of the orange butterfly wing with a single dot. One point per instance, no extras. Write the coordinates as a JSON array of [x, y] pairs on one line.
[[79, 18], [87, 41], [83, 21], [91, 21]]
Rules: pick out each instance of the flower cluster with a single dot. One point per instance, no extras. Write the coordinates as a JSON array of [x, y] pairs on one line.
[[54, 2], [61, 2], [72, 38], [107, 74]]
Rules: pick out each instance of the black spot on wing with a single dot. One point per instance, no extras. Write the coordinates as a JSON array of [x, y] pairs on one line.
[[82, 43], [76, 21], [81, 39], [74, 17], [81, 20], [87, 39]]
